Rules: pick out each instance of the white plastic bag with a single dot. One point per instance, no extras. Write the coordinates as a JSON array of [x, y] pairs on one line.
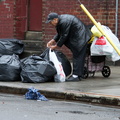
[[100, 46], [114, 56], [60, 76], [111, 55]]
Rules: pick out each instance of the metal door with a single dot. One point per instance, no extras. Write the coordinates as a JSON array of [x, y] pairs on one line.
[[35, 15]]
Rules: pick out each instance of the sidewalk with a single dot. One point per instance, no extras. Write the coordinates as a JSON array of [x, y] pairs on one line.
[[95, 89]]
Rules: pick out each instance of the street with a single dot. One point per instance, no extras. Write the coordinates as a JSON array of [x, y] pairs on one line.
[[16, 107]]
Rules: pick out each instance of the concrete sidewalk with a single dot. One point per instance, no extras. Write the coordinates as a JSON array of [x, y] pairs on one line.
[[95, 89]]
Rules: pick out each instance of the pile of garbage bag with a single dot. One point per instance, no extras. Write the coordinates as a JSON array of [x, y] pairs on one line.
[[38, 69], [47, 67], [9, 60]]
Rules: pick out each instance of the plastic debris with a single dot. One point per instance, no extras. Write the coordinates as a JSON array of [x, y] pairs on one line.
[[33, 94]]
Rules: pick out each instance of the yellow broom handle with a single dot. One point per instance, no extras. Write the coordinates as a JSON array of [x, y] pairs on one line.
[[99, 28]]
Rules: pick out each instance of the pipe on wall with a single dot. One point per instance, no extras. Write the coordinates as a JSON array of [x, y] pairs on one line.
[[116, 19]]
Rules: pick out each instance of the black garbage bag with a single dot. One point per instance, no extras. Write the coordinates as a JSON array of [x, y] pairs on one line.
[[62, 58], [36, 69], [45, 54], [11, 46], [9, 68]]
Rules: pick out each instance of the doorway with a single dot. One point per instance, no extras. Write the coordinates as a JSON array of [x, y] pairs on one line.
[[35, 15]]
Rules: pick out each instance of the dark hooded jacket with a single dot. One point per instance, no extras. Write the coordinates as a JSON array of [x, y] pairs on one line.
[[71, 32]]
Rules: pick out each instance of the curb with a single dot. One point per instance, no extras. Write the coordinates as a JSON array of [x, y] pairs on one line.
[[69, 95]]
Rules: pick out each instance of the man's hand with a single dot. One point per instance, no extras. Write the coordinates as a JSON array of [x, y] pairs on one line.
[[53, 47], [52, 44]]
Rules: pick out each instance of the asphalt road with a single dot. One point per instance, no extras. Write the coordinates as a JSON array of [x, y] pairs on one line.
[[15, 107]]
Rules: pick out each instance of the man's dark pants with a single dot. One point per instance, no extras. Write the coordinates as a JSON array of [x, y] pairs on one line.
[[78, 61]]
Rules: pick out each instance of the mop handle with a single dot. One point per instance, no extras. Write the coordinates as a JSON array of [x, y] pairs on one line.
[[99, 27]]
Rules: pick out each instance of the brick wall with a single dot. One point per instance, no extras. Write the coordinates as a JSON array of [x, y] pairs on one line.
[[102, 10], [6, 18], [13, 19]]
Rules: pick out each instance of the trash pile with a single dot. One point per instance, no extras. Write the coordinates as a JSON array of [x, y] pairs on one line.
[[50, 66], [9, 60], [45, 68]]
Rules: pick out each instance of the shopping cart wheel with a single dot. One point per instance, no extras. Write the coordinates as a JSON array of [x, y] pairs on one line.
[[106, 71], [86, 73]]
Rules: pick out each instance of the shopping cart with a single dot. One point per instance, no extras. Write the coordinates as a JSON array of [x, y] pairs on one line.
[[95, 64]]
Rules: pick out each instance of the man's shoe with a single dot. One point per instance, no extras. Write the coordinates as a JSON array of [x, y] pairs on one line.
[[72, 79]]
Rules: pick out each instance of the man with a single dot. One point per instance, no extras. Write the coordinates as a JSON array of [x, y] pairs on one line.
[[73, 34]]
